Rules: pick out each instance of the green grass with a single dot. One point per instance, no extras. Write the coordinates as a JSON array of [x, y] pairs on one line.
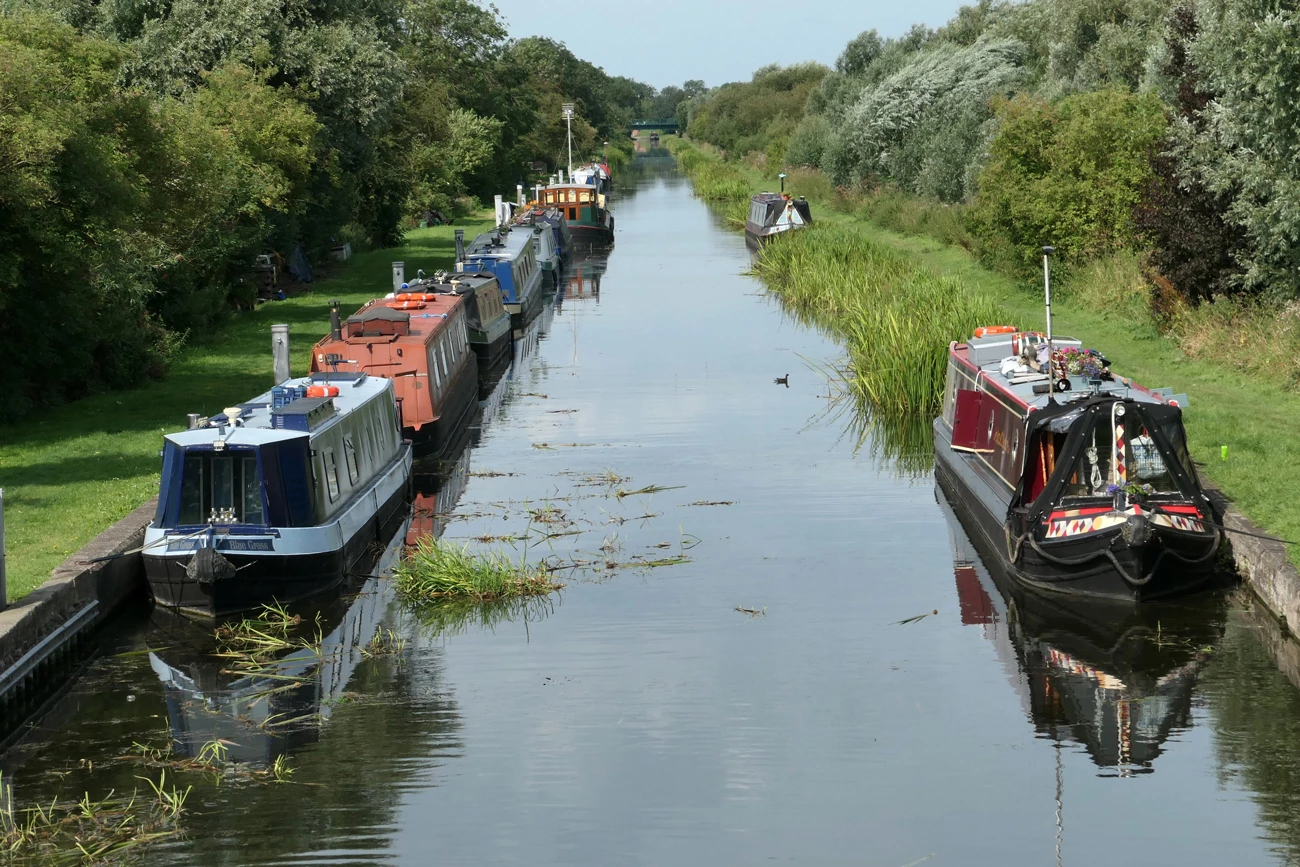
[[1251, 411], [433, 571], [70, 472]]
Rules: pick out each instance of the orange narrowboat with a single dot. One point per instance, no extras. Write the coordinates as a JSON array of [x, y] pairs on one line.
[[419, 340]]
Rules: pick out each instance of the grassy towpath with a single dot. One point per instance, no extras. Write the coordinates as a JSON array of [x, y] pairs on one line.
[[1254, 418], [70, 472]]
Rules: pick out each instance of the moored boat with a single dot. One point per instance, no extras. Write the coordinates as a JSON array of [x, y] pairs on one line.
[[510, 257], [585, 211], [420, 341], [275, 499], [596, 174], [547, 233], [1080, 480], [772, 214], [487, 322]]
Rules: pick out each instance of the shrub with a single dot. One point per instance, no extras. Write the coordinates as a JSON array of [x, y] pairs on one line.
[[1066, 174]]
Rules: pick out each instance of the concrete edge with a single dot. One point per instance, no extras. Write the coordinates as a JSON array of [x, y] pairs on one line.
[[1265, 567], [76, 582]]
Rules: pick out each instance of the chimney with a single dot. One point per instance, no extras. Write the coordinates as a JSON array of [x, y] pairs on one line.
[[336, 327]]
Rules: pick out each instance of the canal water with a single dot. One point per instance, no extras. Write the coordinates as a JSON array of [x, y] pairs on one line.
[[776, 643]]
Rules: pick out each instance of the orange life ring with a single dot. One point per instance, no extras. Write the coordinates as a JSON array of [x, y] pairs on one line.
[[409, 305], [988, 330], [402, 296]]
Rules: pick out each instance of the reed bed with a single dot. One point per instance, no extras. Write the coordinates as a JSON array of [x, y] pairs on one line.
[[895, 317], [435, 571]]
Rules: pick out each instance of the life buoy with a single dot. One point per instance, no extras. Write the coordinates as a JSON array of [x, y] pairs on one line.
[[987, 330], [402, 296], [409, 305], [322, 391]]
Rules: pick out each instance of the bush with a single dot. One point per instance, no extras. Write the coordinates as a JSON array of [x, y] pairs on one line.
[[924, 127], [1066, 174]]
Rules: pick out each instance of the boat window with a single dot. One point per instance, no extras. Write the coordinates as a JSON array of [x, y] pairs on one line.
[[1145, 464], [550, 198], [220, 489], [1091, 474], [433, 370], [573, 213], [331, 475], [1172, 432], [350, 458], [584, 196], [573, 195]]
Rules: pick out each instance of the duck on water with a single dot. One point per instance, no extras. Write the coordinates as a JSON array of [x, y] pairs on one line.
[[1079, 480]]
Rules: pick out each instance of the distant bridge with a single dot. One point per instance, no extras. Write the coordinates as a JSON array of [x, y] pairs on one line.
[[665, 124]]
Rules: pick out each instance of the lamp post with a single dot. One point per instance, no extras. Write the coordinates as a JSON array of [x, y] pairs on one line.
[[782, 177], [568, 122]]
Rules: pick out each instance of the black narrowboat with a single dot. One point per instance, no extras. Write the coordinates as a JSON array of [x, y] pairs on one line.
[[772, 214], [1079, 479]]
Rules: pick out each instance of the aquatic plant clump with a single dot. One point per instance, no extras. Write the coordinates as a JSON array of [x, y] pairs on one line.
[[88, 832], [895, 316], [435, 571]]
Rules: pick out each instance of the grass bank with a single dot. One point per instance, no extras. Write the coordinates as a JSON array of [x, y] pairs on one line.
[[1250, 408], [70, 472]]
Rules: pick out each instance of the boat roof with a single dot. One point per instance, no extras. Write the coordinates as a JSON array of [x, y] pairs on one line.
[[983, 356], [500, 243], [257, 426], [571, 185]]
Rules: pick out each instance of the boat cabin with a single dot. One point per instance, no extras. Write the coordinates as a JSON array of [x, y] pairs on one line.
[[580, 204], [772, 214], [418, 340], [511, 258]]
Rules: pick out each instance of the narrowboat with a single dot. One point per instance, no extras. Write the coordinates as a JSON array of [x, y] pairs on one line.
[[419, 340], [1118, 679], [1079, 479], [277, 498], [510, 257], [550, 240], [487, 322], [772, 214], [584, 209]]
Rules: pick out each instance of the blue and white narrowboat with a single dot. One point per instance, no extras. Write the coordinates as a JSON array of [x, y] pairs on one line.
[[276, 499], [510, 256]]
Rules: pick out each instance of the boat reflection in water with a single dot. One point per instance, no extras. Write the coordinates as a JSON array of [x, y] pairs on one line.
[[261, 716], [1117, 679], [582, 279]]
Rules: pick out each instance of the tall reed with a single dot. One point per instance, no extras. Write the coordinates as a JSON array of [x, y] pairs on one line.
[[895, 317]]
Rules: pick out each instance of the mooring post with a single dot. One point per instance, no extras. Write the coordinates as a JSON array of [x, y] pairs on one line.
[[280, 353], [399, 276], [3, 590]]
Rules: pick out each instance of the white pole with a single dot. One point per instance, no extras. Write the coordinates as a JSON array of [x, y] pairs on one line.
[[1047, 294], [280, 353]]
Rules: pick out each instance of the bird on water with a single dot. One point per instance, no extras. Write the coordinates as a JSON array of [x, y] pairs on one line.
[[783, 380]]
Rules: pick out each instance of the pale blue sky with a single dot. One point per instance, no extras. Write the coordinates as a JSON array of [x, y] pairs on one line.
[[664, 42]]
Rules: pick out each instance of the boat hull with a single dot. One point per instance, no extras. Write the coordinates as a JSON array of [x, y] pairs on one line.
[[490, 344], [303, 563], [523, 312], [586, 238], [432, 439], [756, 236], [1092, 566]]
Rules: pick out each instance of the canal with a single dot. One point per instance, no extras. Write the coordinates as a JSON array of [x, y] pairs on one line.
[[775, 643]]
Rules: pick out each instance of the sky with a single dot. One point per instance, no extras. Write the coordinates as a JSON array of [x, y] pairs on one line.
[[664, 42]]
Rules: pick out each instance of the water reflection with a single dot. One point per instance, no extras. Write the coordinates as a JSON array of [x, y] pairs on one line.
[[261, 716], [581, 280], [1118, 680]]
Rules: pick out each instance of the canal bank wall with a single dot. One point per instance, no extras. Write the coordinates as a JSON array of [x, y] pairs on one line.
[[1264, 565], [39, 631]]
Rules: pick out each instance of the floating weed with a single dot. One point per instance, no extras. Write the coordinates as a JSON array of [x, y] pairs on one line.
[[385, 642], [432, 570], [88, 831], [489, 474], [712, 503], [753, 612], [915, 619], [648, 489]]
